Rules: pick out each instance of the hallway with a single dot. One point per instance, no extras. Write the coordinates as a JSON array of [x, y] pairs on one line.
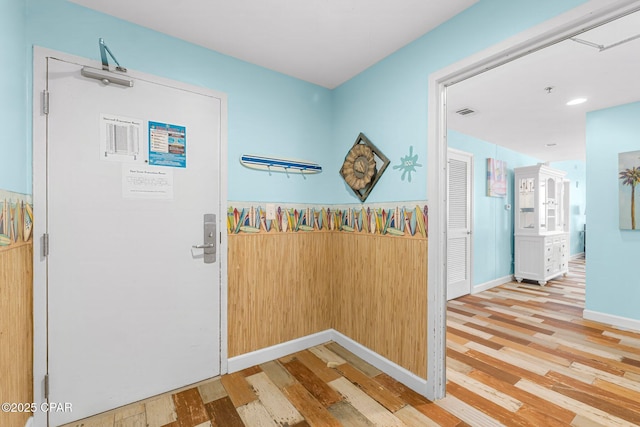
[[523, 354]]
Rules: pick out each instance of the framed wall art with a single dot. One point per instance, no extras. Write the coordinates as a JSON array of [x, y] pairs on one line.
[[629, 178], [496, 178], [363, 166]]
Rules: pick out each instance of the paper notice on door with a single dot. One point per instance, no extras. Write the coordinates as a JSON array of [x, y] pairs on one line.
[[120, 139], [144, 182]]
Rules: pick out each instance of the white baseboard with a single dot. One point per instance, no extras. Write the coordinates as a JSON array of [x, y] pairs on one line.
[[257, 357], [610, 319], [397, 372], [390, 368], [491, 284]]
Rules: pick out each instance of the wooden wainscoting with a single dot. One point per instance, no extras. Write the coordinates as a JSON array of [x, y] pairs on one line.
[[279, 288], [16, 330], [379, 291], [284, 286]]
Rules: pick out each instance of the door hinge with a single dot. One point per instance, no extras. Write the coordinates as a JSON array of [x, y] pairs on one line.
[[46, 386], [45, 102], [45, 244]]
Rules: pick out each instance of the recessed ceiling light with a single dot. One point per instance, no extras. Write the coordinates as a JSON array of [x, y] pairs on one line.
[[577, 101]]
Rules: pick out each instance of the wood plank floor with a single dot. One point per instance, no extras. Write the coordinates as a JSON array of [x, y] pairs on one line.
[[517, 355]]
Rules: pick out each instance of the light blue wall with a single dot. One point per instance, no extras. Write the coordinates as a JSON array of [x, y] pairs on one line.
[[577, 174], [613, 284], [493, 225], [15, 163], [388, 102], [269, 113]]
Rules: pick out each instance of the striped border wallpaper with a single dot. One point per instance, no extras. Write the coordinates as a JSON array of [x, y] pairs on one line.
[[410, 220]]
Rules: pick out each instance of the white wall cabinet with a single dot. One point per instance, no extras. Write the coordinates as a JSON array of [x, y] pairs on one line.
[[541, 223]]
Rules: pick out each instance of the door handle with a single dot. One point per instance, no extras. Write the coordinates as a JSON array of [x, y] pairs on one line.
[[206, 246], [209, 239]]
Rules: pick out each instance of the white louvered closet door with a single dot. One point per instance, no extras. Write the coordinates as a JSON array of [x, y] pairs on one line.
[[459, 190]]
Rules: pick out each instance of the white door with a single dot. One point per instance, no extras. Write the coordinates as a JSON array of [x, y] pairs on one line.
[[133, 309], [459, 191]]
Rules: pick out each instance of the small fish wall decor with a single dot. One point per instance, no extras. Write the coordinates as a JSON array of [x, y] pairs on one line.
[[399, 221], [408, 164]]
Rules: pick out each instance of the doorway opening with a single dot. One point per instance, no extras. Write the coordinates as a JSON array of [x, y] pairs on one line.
[[572, 24]]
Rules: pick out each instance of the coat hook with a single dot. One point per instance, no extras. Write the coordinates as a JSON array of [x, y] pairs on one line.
[[273, 164]]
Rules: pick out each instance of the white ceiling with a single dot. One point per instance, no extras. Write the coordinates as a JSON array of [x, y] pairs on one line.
[[514, 110], [325, 42]]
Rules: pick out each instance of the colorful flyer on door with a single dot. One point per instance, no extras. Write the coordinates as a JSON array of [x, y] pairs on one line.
[[167, 145]]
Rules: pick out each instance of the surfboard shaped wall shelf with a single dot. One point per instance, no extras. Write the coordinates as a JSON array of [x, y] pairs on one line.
[[275, 164]]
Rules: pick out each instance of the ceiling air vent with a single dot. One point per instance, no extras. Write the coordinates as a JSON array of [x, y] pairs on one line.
[[465, 111]]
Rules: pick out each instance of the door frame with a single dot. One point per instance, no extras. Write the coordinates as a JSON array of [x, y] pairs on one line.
[[39, 137], [471, 197], [568, 24]]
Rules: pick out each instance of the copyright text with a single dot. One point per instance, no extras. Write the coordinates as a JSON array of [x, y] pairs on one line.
[[37, 407]]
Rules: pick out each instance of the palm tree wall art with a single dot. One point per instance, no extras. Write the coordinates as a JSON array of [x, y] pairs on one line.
[[629, 175]]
